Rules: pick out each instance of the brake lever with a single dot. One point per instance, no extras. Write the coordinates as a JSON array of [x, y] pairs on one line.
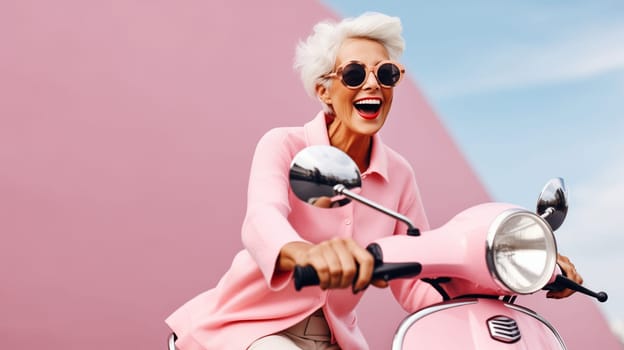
[[562, 282]]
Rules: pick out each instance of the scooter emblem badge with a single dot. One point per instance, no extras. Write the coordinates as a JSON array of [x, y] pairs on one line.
[[503, 329]]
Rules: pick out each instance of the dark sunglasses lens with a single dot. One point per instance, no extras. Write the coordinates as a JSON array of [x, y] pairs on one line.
[[388, 74], [353, 74]]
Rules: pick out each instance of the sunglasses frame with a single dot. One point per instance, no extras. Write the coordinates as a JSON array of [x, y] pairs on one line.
[[338, 73]]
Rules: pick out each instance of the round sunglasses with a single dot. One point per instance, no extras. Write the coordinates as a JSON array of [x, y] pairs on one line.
[[353, 74]]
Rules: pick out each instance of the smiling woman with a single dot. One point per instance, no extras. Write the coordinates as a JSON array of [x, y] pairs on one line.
[[351, 68]]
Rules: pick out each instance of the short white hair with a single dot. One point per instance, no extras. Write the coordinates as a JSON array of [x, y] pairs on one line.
[[316, 56]]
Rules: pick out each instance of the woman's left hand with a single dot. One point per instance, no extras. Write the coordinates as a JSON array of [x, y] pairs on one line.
[[568, 269]]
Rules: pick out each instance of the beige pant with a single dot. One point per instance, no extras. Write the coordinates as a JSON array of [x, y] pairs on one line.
[[310, 334]]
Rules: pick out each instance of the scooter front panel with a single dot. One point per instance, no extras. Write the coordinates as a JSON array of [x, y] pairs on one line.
[[476, 324]]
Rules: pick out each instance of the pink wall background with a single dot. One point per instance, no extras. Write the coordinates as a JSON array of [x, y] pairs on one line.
[[126, 135]]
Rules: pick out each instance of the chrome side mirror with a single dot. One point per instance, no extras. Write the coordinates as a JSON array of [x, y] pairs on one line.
[[323, 176], [316, 170], [552, 204]]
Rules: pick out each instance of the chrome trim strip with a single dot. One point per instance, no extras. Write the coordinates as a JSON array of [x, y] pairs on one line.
[[399, 335], [171, 341], [536, 316]]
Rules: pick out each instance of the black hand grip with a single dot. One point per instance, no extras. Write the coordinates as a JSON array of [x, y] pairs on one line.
[[562, 282], [305, 276], [390, 271]]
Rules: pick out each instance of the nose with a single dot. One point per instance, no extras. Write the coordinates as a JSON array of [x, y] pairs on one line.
[[371, 82]]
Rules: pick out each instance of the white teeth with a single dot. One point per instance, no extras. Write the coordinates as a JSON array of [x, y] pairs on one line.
[[370, 101]]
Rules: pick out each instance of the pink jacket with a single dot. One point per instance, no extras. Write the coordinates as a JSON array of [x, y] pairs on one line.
[[250, 300]]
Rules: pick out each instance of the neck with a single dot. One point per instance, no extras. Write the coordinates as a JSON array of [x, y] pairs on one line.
[[357, 146]]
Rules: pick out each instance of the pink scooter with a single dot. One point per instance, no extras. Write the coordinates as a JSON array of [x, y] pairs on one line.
[[478, 261]]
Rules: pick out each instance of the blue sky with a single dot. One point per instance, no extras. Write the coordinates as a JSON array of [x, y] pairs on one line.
[[531, 90]]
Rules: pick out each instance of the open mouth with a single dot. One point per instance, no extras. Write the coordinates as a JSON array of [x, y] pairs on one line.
[[368, 108]]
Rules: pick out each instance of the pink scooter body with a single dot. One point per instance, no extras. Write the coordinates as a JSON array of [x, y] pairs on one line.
[[458, 250]]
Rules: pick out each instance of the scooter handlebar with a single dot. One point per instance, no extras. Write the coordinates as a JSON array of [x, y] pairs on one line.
[[307, 276]]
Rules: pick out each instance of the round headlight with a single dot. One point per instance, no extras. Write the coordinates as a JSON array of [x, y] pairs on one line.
[[521, 251]]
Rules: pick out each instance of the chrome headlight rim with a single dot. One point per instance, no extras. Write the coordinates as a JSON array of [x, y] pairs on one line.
[[551, 259]]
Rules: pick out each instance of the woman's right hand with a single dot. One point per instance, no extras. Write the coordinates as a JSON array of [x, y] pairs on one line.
[[336, 261]]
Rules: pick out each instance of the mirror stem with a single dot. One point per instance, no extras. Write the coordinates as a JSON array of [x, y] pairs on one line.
[[548, 212], [411, 229]]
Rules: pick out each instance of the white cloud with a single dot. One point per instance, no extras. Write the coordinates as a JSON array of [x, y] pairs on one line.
[[587, 53]]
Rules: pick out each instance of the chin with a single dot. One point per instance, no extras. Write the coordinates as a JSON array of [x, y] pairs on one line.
[[370, 127]]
